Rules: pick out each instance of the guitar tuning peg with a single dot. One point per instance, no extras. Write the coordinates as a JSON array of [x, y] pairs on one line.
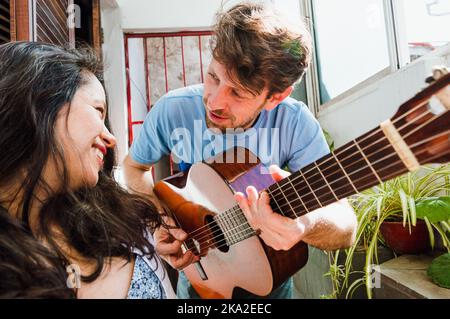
[[437, 72]]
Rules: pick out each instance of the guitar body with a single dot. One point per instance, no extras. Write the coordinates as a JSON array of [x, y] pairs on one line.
[[206, 190]]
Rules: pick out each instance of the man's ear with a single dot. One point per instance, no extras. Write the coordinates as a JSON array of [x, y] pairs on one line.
[[276, 98]]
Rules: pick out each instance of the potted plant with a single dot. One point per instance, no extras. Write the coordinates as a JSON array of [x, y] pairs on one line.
[[419, 198]]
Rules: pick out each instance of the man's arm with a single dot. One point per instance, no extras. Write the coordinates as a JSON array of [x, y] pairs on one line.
[[138, 177], [328, 228]]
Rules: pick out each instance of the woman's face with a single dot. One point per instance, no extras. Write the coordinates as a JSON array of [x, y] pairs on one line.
[[83, 135]]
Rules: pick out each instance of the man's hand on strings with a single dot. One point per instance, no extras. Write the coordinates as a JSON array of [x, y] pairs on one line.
[[277, 231], [168, 243]]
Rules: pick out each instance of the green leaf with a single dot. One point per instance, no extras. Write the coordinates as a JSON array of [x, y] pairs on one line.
[[412, 209], [380, 203], [293, 47], [404, 203], [439, 271], [430, 232], [436, 209], [446, 226], [329, 140]]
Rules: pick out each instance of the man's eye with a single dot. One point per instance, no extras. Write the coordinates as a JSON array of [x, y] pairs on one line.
[[101, 110], [214, 77], [236, 94]]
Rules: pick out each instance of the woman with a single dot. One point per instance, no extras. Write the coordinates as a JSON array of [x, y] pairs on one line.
[[66, 228]]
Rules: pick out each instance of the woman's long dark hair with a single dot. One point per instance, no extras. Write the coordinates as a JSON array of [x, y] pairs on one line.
[[27, 268], [36, 81]]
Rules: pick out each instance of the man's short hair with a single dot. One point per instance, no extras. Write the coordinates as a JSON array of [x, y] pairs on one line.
[[260, 48]]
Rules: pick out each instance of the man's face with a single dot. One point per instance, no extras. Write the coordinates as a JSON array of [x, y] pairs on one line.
[[226, 105]]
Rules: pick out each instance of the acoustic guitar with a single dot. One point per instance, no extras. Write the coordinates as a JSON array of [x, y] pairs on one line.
[[232, 255]]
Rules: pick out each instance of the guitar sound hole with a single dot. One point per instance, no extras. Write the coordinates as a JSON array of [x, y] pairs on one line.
[[218, 237]]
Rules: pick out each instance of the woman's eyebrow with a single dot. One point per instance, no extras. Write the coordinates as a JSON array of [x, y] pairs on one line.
[[101, 102]]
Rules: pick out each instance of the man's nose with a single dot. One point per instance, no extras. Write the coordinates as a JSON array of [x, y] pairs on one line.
[[218, 99]]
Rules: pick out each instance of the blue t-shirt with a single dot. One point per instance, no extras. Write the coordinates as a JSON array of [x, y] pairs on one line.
[[287, 135]]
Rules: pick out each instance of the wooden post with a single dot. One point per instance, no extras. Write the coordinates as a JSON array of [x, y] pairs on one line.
[[20, 20], [96, 27]]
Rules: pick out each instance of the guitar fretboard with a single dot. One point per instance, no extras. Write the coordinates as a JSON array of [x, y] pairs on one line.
[[354, 167]]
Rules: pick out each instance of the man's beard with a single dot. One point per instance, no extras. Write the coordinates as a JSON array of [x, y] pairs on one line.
[[245, 125]]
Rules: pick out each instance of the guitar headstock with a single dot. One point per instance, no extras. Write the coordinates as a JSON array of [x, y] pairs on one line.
[[424, 121]]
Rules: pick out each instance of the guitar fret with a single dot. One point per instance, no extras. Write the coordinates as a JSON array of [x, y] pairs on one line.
[[296, 193], [230, 233], [345, 173], [274, 200], [249, 230], [289, 203], [235, 226], [231, 223], [332, 191], [368, 162], [241, 229], [312, 191], [238, 226]]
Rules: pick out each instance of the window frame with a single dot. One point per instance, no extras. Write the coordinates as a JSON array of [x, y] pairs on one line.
[[397, 49]]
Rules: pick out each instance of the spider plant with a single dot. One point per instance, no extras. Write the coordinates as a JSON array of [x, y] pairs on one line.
[[405, 198]]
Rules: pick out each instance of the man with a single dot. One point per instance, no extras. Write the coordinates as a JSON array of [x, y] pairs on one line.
[[257, 58]]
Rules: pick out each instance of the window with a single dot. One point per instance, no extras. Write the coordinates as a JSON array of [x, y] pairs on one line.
[[351, 43], [427, 24], [5, 34], [292, 10]]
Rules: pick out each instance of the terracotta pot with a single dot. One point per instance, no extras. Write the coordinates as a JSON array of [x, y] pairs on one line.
[[401, 241]]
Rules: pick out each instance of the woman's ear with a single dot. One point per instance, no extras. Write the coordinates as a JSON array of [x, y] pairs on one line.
[[276, 98]]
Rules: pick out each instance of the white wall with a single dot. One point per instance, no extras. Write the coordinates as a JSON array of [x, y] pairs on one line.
[[366, 109], [167, 15], [176, 15]]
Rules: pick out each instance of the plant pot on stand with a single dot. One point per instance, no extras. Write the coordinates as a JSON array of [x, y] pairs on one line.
[[402, 241]]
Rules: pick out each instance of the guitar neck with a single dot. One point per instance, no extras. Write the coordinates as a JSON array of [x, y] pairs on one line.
[[352, 168]]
